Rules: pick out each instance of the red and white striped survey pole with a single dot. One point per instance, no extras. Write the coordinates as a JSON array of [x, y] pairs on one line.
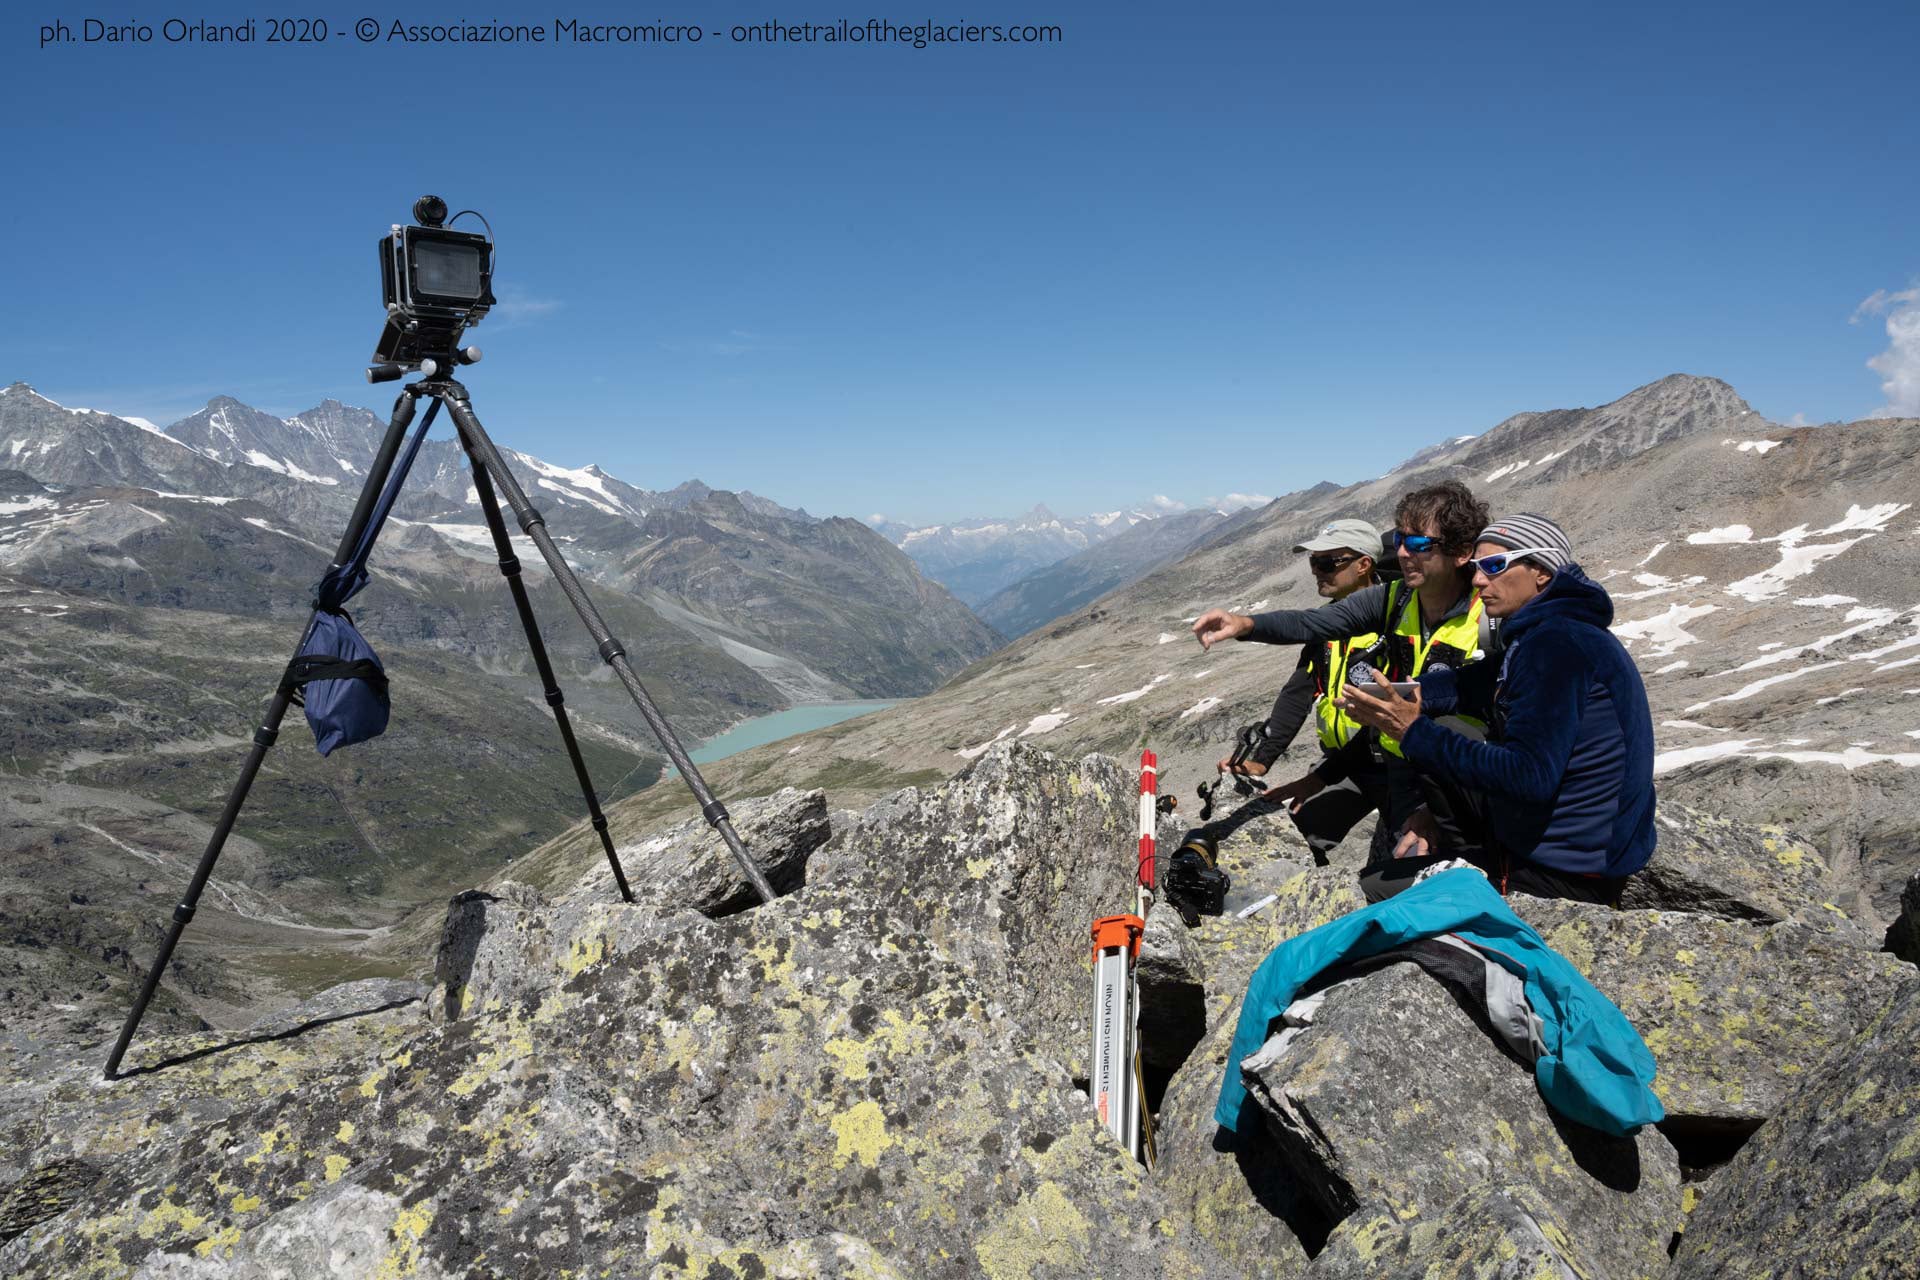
[[1149, 803], [1116, 1081]]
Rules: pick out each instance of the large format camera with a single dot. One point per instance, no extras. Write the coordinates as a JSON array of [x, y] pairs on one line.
[[438, 282]]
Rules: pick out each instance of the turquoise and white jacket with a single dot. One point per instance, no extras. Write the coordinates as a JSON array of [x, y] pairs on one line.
[[1592, 1066]]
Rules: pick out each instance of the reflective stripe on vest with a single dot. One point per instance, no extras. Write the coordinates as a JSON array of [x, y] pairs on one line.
[[1457, 639], [1336, 727]]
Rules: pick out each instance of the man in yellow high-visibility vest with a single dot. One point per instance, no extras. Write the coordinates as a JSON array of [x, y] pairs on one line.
[[1431, 617]]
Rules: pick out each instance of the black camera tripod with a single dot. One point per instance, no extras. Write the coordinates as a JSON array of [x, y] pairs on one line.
[[347, 573]]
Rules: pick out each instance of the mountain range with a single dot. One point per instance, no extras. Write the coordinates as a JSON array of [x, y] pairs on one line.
[[976, 558]]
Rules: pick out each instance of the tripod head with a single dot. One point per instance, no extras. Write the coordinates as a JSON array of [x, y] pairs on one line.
[[437, 283]]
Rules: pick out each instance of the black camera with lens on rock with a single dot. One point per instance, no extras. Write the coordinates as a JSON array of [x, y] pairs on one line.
[[1194, 883]]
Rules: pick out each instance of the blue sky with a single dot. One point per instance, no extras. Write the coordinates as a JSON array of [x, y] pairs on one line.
[[1185, 251]]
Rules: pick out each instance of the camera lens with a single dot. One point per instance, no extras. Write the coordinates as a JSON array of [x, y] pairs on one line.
[[430, 211]]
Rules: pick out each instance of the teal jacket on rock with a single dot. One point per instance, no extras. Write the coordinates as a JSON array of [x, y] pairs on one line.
[[1593, 1068]]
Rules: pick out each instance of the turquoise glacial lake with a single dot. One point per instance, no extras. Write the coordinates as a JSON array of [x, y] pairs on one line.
[[761, 730]]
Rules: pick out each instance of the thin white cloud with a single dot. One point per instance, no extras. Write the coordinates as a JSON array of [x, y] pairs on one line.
[[1899, 365], [1165, 505], [516, 307], [1235, 501], [738, 342]]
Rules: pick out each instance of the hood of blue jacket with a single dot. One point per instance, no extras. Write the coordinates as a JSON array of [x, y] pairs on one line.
[[1571, 595]]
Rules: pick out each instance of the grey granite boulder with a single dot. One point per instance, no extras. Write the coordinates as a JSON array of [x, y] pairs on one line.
[[688, 867], [345, 1000], [1830, 1187], [1736, 1012], [1005, 867], [1396, 1097], [1304, 897], [1493, 1232], [1713, 865], [1241, 1198], [512, 944], [503, 945]]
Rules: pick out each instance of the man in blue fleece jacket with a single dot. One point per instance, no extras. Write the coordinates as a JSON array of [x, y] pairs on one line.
[[1567, 765]]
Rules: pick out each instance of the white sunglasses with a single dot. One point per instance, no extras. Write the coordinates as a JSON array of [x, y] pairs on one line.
[[1495, 565]]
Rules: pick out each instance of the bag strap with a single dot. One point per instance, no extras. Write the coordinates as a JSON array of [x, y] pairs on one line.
[[307, 668]]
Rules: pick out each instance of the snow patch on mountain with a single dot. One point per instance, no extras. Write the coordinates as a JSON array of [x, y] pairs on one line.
[[584, 484], [291, 470], [1721, 536], [1666, 631], [1045, 723], [1132, 694], [30, 504]]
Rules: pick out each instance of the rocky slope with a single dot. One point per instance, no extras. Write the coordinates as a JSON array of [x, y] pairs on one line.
[[879, 1075]]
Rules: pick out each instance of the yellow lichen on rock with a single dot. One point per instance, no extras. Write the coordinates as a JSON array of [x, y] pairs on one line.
[[403, 1259], [1046, 1230], [221, 1242], [862, 1135]]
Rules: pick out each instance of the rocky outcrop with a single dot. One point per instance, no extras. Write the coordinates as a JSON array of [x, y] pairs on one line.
[[1173, 992], [1493, 1232], [1714, 866], [822, 1084], [1830, 1186], [1395, 1096], [1242, 1197], [875, 1076], [512, 944], [1736, 1012], [1004, 868], [688, 867]]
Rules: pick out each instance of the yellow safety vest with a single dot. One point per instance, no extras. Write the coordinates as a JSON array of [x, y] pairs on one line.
[[1457, 641], [1336, 727]]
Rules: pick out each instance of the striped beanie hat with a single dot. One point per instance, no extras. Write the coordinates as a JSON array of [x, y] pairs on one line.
[[1535, 531]]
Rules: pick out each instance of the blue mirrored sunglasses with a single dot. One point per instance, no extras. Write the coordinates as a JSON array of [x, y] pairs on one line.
[[1414, 542], [1495, 565]]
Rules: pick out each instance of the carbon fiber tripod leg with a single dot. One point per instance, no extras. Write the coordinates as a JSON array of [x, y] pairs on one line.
[[263, 738], [478, 443], [510, 568]]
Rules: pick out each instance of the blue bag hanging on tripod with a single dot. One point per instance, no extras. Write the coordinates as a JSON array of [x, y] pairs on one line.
[[337, 678], [340, 683]]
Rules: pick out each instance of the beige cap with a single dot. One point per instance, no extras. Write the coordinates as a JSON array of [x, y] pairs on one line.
[[1352, 535]]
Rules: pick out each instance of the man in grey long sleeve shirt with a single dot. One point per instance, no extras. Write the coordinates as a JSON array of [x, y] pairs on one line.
[[1348, 782]]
